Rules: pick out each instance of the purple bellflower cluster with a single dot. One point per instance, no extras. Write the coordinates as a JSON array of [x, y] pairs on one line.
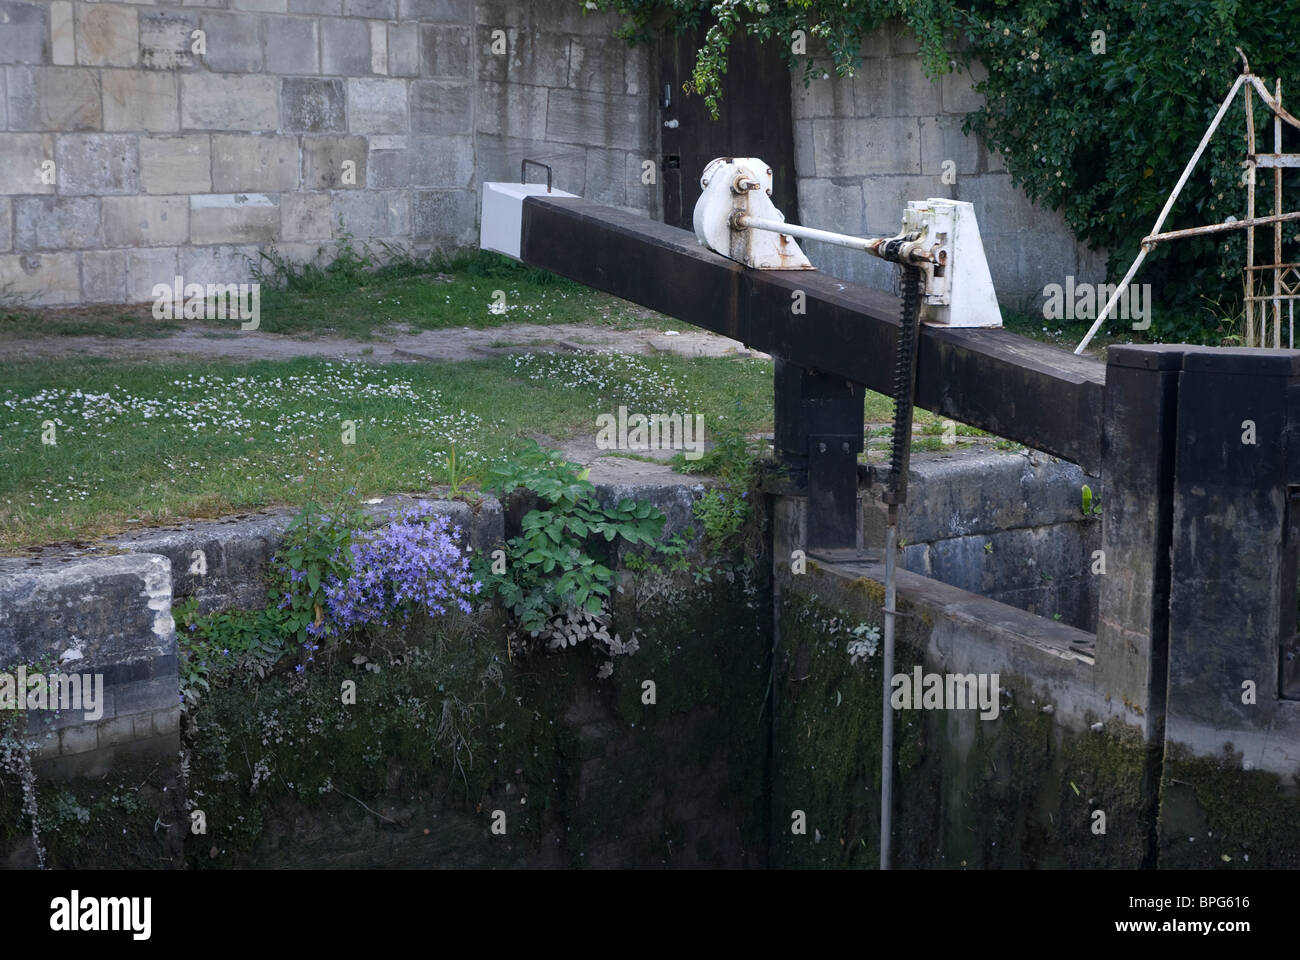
[[414, 561]]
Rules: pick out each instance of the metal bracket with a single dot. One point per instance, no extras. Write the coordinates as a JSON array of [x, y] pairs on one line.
[[523, 164], [832, 491]]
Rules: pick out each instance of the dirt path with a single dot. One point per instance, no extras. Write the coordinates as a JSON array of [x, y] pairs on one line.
[[458, 343]]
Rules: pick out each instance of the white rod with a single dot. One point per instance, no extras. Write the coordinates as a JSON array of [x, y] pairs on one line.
[[806, 233], [1205, 140]]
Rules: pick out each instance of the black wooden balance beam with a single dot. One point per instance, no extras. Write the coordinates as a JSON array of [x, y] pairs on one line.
[[1041, 396]]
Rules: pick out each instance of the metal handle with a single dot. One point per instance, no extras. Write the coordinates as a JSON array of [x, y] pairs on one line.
[[536, 163]]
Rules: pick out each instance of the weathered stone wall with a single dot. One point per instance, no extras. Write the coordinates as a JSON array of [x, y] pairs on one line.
[[588, 770], [866, 145], [129, 158], [1008, 526]]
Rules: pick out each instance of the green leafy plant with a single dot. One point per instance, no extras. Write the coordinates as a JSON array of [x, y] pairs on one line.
[[1091, 504], [315, 548], [724, 507], [563, 558], [456, 481]]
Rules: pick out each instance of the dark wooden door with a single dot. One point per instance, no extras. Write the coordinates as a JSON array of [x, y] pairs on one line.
[[755, 121]]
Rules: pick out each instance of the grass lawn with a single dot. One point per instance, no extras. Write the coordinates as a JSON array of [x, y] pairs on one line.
[[356, 299], [143, 442], [149, 442]]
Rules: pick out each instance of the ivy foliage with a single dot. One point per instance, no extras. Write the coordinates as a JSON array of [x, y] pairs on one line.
[[1094, 105]]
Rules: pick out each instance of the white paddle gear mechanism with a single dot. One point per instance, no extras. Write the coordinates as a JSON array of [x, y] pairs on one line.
[[735, 218]]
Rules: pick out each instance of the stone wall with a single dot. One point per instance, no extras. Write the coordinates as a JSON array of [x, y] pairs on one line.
[[1007, 526], [866, 145], [137, 150], [588, 770]]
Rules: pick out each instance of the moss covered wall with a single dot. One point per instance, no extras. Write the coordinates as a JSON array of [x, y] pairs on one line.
[[450, 730], [1016, 791]]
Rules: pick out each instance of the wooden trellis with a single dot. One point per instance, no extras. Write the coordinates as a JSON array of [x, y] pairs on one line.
[[1286, 276]]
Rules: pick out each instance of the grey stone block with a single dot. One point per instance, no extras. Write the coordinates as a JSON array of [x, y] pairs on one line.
[[222, 263], [499, 159], [323, 161], [511, 109], [959, 94], [78, 739], [56, 223], [821, 98], [165, 40], [606, 177], [167, 721], [598, 119], [262, 6], [334, 7], [444, 52], [538, 57], [837, 202], [442, 11], [442, 161], [146, 221], [40, 278], [108, 35], [234, 218], [377, 106], [596, 64], [63, 40], [376, 9], [1000, 207], [388, 168], [981, 494], [895, 87], [440, 106], [24, 32], [118, 730], [237, 551], [103, 276], [146, 268], [306, 217], [641, 197], [372, 213], [345, 48], [53, 99], [146, 696], [255, 163], [235, 42], [639, 74], [110, 609], [176, 164], [855, 147], [886, 198], [941, 141], [313, 106], [6, 225], [97, 164], [444, 215], [47, 745], [292, 45], [142, 726], [140, 100], [229, 102], [403, 49], [804, 157]]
